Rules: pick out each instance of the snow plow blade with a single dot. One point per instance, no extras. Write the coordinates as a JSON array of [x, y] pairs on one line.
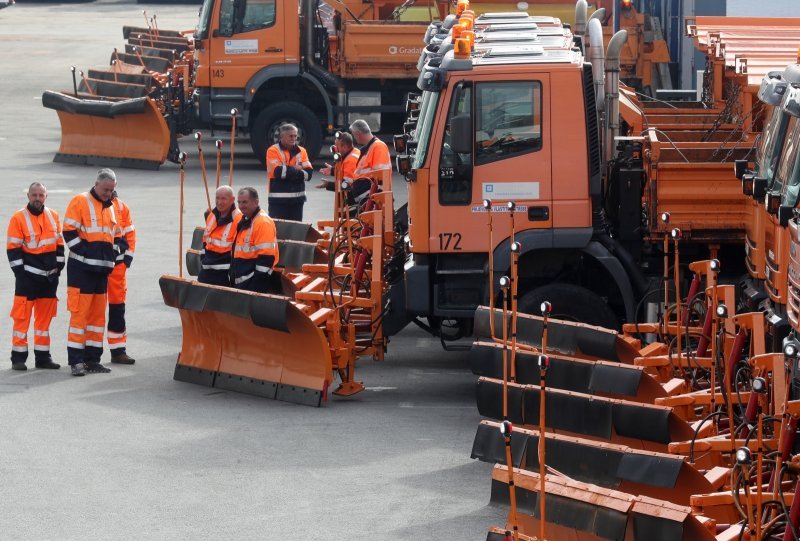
[[125, 133], [619, 467], [248, 342], [580, 511], [640, 426], [565, 337], [603, 378]]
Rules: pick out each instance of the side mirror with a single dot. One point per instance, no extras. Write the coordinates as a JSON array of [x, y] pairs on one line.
[[403, 162], [461, 134]]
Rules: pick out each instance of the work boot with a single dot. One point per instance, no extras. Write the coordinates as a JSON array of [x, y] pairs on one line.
[[79, 369], [122, 358], [47, 363], [19, 366], [96, 368]]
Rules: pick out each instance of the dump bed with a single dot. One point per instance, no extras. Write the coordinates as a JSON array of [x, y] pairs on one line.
[[379, 51]]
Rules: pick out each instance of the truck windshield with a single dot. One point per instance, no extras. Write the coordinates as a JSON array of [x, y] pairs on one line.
[[788, 174], [769, 147], [422, 134], [201, 32]]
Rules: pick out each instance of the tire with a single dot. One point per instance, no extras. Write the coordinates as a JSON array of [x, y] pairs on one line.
[[570, 302], [264, 131]]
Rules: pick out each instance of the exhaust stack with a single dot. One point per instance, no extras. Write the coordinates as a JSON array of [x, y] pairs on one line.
[[612, 92]]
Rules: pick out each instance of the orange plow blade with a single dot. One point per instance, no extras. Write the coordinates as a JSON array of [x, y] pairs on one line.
[[248, 342], [125, 133]]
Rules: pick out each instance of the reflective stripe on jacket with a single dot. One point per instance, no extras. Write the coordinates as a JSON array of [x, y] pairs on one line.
[[34, 244], [90, 226], [255, 251], [284, 181], [218, 239], [127, 232]]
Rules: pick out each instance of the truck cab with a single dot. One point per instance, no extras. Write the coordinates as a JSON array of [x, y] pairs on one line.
[[509, 123]]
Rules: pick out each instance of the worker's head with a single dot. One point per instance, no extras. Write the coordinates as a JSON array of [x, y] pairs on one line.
[[105, 183], [37, 195], [224, 199], [248, 200], [344, 142], [288, 135], [361, 132]]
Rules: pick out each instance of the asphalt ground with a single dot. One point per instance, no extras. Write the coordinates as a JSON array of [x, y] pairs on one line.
[[136, 455]]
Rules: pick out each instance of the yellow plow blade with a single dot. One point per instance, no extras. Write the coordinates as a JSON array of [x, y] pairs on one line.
[[125, 133], [248, 342]]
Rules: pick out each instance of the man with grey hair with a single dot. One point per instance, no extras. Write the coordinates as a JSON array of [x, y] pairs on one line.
[[374, 161], [288, 169], [90, 227], [218, 237], [255, 247], [36, 254]]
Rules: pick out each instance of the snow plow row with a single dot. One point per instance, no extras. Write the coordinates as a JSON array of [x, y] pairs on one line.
[[124, 115]]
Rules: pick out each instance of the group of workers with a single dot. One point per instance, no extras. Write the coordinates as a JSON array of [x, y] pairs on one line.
[[99, 233], [240, 247]]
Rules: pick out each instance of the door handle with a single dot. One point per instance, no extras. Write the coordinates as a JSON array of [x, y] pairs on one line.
[[273, 50]]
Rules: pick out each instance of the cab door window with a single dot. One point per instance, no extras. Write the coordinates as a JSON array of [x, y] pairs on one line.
[[239, 16], [508, 120], [455, 169]]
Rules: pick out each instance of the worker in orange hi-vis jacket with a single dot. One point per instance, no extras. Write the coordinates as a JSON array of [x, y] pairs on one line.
[[118, 282], [375, 161], [218, 237], [255, 247], [357, 189], [90, 226], [36, 255], [288, 169]]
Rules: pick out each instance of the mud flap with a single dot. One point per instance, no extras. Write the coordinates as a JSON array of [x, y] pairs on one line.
[[252, 343], [128, 133]]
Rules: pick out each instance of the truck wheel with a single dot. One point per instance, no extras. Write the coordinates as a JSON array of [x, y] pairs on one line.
[[264, 131], [569, 302]]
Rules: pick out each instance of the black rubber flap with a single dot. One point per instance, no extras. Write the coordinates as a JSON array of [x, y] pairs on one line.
[[177, 46], [495, 536], [110, 89], [612, 379], [586, 463], [264, 311], [131, 78], [166, 54], [490, 446], [563, 373], [243, 384], [295, 254], [299, 231], [642, 422], [190, 374], [562, 337], [485, 361], [174, 291], [651, 528], [127, 31], [490, 400], [526, 499], [107, 109], [152, 63], [656, 471], [193, 262], [602, 522], [197, 238], [577, 414]]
